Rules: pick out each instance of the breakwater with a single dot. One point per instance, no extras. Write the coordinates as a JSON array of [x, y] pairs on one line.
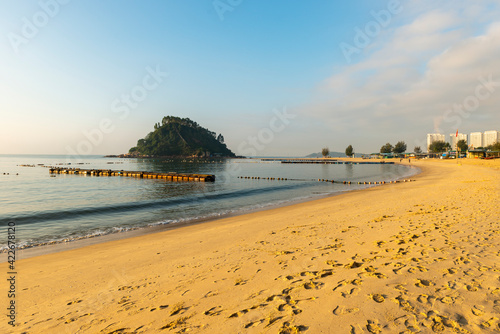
[[324, 161], [137, 174], [322, 180]]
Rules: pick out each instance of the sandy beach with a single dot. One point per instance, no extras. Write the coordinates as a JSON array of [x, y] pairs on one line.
[[419, 256]]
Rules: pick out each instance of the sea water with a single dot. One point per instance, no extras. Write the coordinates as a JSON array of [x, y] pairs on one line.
[[65, 207]]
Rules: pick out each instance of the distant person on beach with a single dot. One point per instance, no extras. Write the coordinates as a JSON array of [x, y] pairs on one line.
[[409, 161]]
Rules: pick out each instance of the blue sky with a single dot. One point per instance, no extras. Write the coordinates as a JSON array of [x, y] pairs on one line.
[[343, 76]]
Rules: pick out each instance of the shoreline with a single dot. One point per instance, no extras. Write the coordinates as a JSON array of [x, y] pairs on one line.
[[61, 246], [417, 256]]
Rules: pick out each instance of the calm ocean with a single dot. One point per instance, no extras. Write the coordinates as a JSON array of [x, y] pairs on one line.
[[72, 207]]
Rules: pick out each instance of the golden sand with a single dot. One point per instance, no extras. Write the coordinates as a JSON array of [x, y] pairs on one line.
[[420, 256]]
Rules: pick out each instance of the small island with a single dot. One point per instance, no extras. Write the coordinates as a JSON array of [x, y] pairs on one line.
[[180, 137]]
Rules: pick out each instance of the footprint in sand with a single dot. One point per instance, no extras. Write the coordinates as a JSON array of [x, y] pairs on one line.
[[370, 269], [356, 282], [179, 322], [484, 268], [161, 307], [238, 314], [421, 283], [373, 327], [124, 300], [397, 271], [333, 263], [404, 304], [177, 308], [473, 287], [377, 275], [490, 324], [286, 327], [76, 318], [461, 260], [312, 285], [378, 298], [240, 281], [400, 287], [75, 302], [350, 293], [477, 310], [496, 307], [308, 273], [340, 310], [412, 325], [353, 265], [451, 271], [340, 284], [356, 329], [210, 294], [423, 299], [216, 310], [447, 300]]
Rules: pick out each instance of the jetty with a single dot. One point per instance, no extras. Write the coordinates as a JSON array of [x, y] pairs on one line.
[[137, 174], [322, 180], [324, 161]]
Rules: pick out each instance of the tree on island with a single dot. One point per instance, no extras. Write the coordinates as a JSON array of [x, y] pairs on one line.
[[438, 146], [387, 148], [220, 138], [349, 151], [180, 137], [325, 152], [462, 145], [400, 147], [417, 150]]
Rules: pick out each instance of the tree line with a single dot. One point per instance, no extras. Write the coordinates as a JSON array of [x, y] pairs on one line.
[[399, 148]]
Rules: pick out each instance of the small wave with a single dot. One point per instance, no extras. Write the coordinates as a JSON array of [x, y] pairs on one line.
[[54, 215], [94, 234]]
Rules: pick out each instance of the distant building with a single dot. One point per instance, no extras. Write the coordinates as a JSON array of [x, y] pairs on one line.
[[433, 137], [454, 139], [490, 137], [476, 139]]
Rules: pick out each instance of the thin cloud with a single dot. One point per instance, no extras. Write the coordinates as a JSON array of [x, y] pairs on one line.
[[415, 73]]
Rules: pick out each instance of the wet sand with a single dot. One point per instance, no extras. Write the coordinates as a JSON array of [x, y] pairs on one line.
[[399, 258]]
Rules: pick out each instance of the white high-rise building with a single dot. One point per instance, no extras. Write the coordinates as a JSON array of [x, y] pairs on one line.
[[476, 139], [432, 137], [490, 137], [454, 139]]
